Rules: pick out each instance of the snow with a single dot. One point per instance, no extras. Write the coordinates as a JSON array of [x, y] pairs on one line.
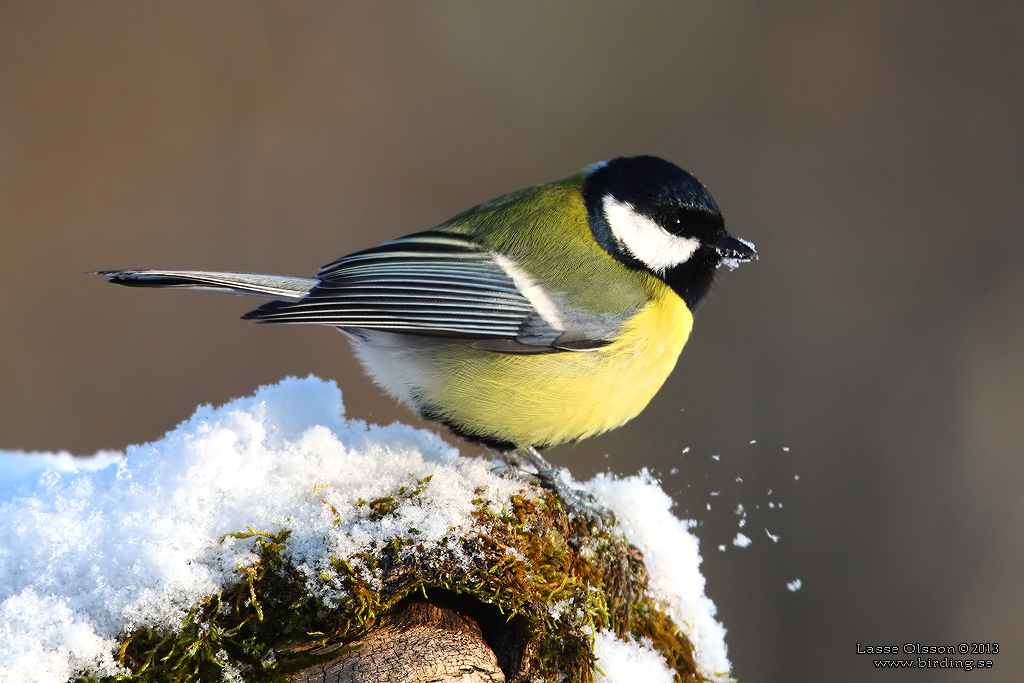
[[741, 540], [91, 547], [19, 467], [673, 559], [621, 661]]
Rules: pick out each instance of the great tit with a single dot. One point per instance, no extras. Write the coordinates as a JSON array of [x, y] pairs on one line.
[[545, 316]]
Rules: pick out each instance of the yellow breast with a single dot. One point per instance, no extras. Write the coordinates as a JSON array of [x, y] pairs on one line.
[[553, 398]]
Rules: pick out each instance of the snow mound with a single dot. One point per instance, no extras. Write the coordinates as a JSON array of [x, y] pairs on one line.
[[93, 547]]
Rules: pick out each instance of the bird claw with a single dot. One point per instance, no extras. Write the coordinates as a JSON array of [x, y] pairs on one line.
[[515, 472], [576, 501], [579, 502]]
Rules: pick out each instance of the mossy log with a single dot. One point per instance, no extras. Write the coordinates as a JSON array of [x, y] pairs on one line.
[[517, 597], [418, 643]]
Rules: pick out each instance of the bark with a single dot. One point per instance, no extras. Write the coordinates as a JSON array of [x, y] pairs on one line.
[[421, 643]]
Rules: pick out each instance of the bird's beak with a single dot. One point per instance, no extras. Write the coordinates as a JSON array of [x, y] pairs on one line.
[[734, 251]]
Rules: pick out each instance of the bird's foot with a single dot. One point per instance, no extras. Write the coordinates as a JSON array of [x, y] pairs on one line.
[[576, 501], [511, 471]]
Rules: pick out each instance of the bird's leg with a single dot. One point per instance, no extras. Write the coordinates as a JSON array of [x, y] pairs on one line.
[[515, 468], [575, 500], [514, 459]]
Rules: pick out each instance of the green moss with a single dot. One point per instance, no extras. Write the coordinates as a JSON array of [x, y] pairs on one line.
[[549, 579]]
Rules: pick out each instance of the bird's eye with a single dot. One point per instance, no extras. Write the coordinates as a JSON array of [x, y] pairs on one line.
[[648, 240]]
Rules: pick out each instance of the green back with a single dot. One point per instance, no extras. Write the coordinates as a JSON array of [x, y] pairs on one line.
[[544, 230]]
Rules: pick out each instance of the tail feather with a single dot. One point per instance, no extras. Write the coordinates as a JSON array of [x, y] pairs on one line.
[[250, 284]]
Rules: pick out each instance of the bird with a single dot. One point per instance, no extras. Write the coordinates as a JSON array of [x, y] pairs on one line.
[[545, 316]]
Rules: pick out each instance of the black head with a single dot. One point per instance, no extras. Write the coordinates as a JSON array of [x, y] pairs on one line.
[[650, 214]]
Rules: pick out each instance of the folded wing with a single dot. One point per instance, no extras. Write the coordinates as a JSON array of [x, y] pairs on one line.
[[429, 283]]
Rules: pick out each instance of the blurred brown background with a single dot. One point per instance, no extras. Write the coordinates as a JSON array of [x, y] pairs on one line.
[[874, 152]]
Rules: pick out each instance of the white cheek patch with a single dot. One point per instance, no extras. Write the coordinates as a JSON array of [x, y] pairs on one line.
[[646, 240], [533, 292]]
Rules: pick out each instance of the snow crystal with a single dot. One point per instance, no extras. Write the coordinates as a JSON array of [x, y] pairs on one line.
[[92, 547], [794, 585], [618, 661], [741, 540]]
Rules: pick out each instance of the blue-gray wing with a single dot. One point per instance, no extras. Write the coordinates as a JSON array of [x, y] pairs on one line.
[[430, 283]]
